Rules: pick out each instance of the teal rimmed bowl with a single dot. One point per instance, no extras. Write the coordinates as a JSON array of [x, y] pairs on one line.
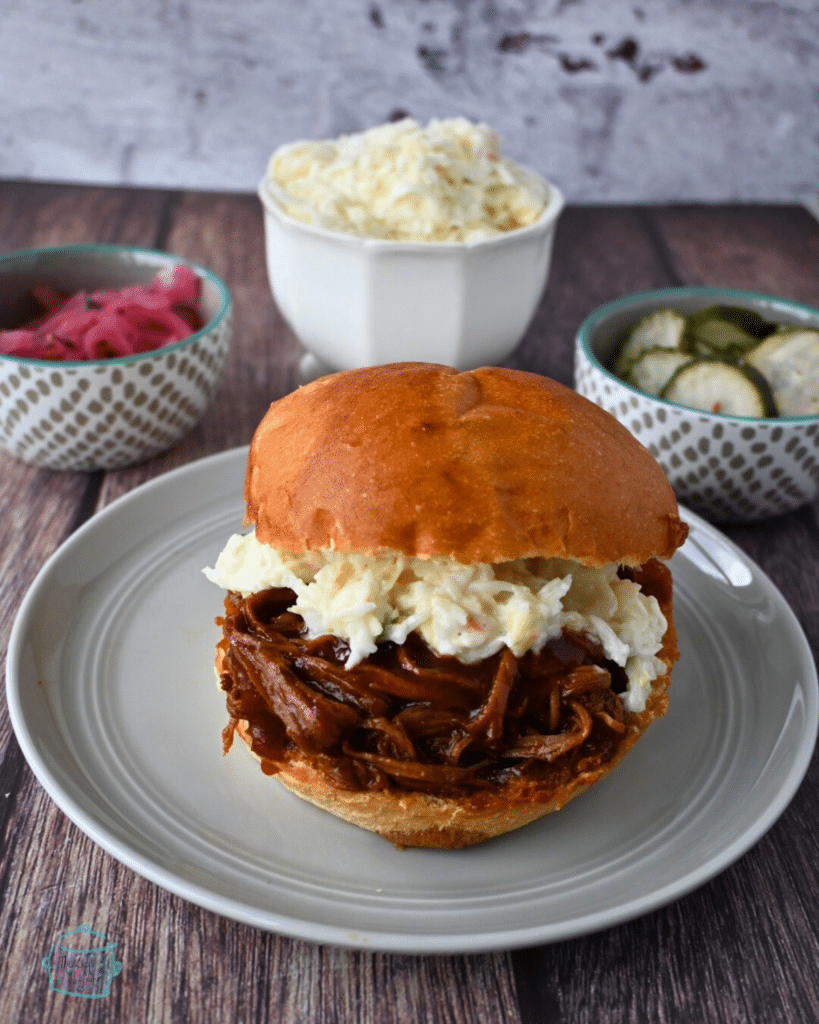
[[727, 468], [105, 413]]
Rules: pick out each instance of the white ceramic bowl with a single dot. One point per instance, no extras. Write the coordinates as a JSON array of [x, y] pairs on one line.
[[106, 413], [727, 468], [355, 301]]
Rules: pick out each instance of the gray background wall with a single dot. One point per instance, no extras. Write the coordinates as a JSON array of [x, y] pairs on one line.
[[645, 101]]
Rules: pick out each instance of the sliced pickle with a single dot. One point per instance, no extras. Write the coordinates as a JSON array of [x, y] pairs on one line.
[[661, 329], [748, 321], [789, 361], [715, 336], [724, 359], [713, 386], [652, 370]]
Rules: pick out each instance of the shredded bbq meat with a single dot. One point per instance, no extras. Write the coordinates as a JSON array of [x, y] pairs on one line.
[[406, 718]]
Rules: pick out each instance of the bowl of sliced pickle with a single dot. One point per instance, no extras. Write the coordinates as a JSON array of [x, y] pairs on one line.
[[721, 385]]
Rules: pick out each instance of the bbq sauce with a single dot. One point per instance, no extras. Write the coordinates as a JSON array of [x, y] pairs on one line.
[[408, 718]]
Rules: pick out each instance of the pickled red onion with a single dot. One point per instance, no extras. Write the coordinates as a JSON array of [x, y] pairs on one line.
[[108, 323]]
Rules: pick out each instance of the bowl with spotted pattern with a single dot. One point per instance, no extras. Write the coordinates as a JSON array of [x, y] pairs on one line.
[[105, 413], [727, 468]]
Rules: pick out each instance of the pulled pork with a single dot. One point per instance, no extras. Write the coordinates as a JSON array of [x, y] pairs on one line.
[[406, 718]]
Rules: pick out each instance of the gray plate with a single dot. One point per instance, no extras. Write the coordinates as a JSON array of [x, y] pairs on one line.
[[112, 696]]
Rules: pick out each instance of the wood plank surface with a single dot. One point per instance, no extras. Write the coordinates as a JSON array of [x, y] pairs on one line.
[[772, 249], [741, 948]]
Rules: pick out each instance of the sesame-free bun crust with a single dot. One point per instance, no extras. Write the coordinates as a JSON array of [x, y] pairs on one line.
[[481, 466]]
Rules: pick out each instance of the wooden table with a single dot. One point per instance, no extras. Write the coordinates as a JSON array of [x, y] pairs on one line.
[[742, 948]]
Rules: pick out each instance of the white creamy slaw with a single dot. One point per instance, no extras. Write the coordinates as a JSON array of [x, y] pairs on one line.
[[469, 611], [445, 182]]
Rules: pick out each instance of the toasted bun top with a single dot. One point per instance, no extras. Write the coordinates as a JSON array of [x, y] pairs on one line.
[[483, 466]]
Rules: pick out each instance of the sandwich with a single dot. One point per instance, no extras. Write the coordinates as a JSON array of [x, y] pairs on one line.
[[449, 611]]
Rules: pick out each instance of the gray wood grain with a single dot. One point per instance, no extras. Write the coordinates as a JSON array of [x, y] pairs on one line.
[[772, 249]]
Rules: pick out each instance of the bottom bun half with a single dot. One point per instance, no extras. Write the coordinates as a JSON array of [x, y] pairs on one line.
[[416, 819], [410, 819]]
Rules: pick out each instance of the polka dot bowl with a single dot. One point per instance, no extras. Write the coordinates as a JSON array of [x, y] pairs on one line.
[[106, 413], [727, 468]]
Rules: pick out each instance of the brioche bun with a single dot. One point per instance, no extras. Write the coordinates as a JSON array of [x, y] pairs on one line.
[[483, 466], [488, 465]]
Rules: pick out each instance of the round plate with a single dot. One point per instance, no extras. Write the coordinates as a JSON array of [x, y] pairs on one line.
[[112, 696]]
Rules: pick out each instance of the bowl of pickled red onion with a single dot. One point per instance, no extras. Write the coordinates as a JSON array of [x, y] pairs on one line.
[[109, 355]]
